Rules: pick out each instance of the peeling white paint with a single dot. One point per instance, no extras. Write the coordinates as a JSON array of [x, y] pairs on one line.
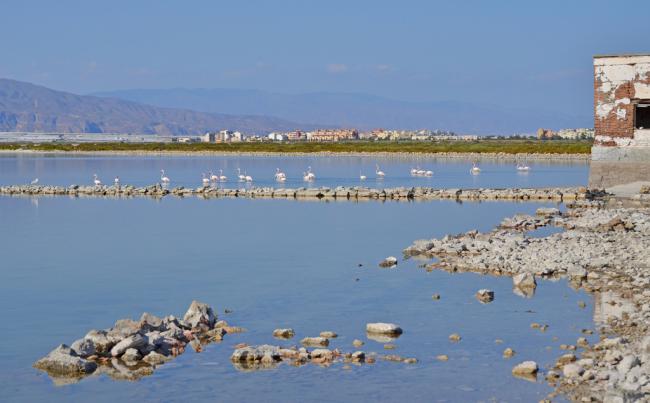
[[603, 109], [621, 114], [641, 139], [619, 141], [618, 73], [642, 71], [624, 101], [642, 90]]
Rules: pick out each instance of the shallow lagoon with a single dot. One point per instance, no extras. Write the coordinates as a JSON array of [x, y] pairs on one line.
[[70, 265], [58, 169]]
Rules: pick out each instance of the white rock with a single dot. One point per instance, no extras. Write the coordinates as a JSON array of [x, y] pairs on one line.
[[383, 328]]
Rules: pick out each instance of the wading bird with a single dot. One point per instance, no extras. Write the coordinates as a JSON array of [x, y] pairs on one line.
[[163, 178]]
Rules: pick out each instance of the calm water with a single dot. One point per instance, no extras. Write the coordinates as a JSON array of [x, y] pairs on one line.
[[330, 171], [70, 265]]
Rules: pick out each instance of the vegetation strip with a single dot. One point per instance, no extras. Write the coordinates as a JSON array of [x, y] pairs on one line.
[[442, 147]]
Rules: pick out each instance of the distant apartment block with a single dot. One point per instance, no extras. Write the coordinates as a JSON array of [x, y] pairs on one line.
[[565, 134], [333, 135]]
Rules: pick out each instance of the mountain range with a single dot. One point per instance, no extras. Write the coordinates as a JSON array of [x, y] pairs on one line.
[[361, 111], [26, 107]]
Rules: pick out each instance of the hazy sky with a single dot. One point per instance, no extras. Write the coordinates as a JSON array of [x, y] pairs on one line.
[[511, 53]]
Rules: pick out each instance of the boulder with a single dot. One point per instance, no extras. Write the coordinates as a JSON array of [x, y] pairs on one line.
[[63, 362], [199, 312], [328, 335], [358, 356], [525, 369], [124, 328], [135, 341], [150, 322], [131, 355], [154, 358], [102, 341], [572, 370], [83, 347], [383, 328]]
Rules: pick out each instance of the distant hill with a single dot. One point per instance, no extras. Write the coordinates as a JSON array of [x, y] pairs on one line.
[[26, 107], [358, 110]]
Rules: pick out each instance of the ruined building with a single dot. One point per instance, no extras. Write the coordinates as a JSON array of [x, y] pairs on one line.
[[621, 151]]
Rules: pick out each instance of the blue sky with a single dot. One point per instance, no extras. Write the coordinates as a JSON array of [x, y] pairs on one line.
[[510, 53]]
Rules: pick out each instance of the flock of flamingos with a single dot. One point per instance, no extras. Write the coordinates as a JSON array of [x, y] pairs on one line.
[[308, 176]]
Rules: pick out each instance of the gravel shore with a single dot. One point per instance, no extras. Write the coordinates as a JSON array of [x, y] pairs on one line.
[[604, 250]]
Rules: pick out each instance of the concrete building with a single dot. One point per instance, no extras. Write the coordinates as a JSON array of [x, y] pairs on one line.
[[621, 151], [333, 135]]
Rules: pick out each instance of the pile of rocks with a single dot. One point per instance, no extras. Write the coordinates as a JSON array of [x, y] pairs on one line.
[[132, 349], [605, 251]]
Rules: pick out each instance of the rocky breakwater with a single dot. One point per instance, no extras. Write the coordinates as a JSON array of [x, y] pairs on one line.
[[132, 349], [339, 193], [605, 251]]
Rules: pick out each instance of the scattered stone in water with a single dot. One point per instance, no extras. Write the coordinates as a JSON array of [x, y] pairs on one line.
[[435, 297], [567, 347], [454, 337], [498, 341], [283, 333], [389, 347], [389, 262], [587, 331], [526, 369], [572, 370], [358, 356], [328, 335], [543, 328], [442, 357], [582, 342], [508, 353], [383, 328], [566, 359], [535, 325], [357, 343], [410, 360], [315, 341], [582, 304], [485, 296]]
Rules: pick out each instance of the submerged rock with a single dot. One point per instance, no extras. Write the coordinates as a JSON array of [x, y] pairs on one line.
[[63, 361], [263, 353], [328, 334], [283, 333], [83, 347], [390, 261], [315, 341], [485, 296], [524, 280]]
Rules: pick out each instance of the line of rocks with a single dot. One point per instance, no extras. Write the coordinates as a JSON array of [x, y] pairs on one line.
[[133, 349], [252, 358], [605, 251], [568, 194]]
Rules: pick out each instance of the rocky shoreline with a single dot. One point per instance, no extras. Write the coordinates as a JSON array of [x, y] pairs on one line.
[[604, 250], [568, 194], [400, 154]]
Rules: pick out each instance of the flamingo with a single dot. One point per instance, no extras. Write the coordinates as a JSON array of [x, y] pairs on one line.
[[96, 180], [362, 177], [280, 176], [428, 173], [310, 175], [116, 181], [248, 178], [475, 170], [523, 167], [205, 180], [222, 177], [35, 181], [241, 177], [414, 171], [379, 172], [163, 178], [213, 177]]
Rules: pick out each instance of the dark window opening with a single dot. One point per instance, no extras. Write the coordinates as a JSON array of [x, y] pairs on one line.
[[642, 116]]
